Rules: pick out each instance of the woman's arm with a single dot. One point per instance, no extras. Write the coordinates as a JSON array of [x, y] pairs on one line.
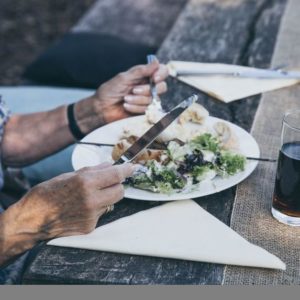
[[17, 234], [29, 138], [69, 204]]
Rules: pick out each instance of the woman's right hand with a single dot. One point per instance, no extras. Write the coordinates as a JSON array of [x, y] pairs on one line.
[[69, 204]]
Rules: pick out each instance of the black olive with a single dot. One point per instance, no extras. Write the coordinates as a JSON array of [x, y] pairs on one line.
[[129, 180], [194, 159], [182, 168], [195, 181], [218, 159]]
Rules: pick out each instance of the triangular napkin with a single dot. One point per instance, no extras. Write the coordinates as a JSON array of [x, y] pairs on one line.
[[180, 229], [226, 88]]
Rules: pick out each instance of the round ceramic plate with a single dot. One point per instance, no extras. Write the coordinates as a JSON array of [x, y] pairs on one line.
[[85, 155]]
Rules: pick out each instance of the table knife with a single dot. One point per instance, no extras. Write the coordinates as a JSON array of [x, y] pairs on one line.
[[256, 73], [155, 131]]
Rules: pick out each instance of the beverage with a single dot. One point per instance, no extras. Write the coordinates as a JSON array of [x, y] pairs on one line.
[[286, 198]]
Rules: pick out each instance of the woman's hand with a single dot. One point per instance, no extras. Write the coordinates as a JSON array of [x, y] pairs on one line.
[[31, 137], [129, 92], [126, 94], [70, 204]]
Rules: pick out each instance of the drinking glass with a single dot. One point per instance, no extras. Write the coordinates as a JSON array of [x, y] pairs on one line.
[[286, 197]]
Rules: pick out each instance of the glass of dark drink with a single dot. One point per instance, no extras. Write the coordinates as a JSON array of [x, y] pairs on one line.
[[286, 197]]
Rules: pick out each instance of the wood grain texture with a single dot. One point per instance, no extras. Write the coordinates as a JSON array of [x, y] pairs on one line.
[[252, 216], [231, 31]]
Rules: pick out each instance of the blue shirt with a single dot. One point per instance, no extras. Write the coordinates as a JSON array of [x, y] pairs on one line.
[[4, 116]]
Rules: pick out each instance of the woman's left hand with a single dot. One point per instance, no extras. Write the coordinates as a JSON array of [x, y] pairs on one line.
[[129, 92], [126, 94]]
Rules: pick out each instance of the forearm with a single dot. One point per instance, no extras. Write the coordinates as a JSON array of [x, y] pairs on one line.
[[18, 233], [29, 138]]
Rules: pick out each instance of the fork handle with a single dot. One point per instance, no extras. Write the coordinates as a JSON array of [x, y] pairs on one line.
[[151, 58]]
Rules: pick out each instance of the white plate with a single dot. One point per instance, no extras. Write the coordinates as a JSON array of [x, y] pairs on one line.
[[84, 156]]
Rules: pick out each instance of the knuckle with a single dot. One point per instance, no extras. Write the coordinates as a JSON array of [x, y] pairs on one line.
[[122, 76], [117, 174], [119, 191], [164, 69], [164, 86], [84, 170], [138, 70], [80, 182]]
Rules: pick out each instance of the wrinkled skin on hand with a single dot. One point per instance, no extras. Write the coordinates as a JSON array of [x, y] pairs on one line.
[[70, 204], [129, 92], [125, 95]]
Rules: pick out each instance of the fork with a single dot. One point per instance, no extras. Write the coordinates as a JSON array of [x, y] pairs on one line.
[[112, 145], [153, 90]]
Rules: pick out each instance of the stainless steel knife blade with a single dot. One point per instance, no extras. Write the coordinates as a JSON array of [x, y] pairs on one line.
[[155, 131]]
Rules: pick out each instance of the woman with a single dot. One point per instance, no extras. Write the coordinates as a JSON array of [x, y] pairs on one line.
[[71, 203]]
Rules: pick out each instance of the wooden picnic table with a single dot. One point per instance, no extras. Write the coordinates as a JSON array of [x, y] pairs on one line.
[[230, 31]]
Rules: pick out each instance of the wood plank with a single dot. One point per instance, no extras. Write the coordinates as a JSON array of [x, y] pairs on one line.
[[232, 31], [254, 221]]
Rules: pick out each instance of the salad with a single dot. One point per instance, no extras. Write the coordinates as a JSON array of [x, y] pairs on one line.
[[183, 165]]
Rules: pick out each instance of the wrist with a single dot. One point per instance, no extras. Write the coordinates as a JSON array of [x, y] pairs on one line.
[[89, 114]]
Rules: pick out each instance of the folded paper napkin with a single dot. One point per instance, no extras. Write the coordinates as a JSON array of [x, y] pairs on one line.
[[179, 229], [226, 88]]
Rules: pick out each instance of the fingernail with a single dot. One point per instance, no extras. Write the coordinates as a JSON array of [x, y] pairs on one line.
[[128, 98], [137, 90], [151, 58], [126, 105], [133, 167], [157, 78]]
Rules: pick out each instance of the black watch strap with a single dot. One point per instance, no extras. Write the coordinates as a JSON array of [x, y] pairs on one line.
[[75, 130]]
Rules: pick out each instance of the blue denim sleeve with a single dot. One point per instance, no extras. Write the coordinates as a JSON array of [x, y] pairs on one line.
[[4, 116]]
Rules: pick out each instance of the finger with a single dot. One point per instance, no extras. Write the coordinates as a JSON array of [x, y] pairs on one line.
[[102, 178], [142, 71], [138, 99], [135, 109], [161, 74], [144, 89]]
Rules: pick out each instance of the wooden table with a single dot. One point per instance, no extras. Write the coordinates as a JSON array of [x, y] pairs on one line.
[[231, 31]]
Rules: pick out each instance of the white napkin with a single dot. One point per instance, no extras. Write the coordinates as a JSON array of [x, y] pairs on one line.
[[179, 229], [226, 88]]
